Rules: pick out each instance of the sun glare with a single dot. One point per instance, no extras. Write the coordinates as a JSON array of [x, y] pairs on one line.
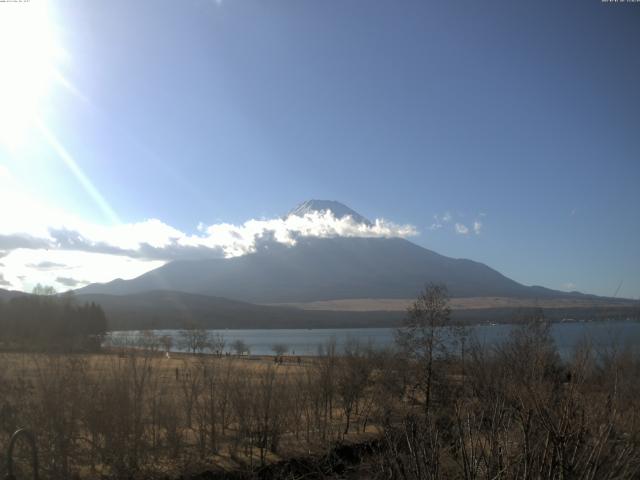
[[28, 52]]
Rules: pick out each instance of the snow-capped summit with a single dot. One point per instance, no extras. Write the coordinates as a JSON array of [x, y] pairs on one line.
[[338, 209]]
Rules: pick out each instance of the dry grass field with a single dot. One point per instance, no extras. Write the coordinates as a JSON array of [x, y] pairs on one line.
[[146, 412], [467, 303], [513, 411]]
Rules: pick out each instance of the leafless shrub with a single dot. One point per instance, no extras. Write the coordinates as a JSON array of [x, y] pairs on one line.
[[194, 339]]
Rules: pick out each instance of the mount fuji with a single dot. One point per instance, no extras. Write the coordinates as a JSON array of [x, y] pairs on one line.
[[321, 269]]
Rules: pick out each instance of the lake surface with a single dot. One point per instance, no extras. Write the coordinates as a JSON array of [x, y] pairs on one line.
[[307, 341]]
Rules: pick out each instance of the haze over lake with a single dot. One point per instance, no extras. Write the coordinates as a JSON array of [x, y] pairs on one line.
[[602, 335]]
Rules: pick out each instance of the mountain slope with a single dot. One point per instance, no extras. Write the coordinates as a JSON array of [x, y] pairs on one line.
[[9, 294], [167, 309], [174, 310], [326, 269]]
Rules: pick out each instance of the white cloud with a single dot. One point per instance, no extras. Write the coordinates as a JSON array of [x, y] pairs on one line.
[[71, 282], [153, 239], [101, 253], [462, 229], [450, 222], [570, 286], [437, 223], [47, 265], [42, 244], [20, 273]]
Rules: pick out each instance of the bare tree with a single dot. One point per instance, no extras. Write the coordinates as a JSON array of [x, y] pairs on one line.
[[279, 349], [217, 344], [43, 290], [167, 342], [194, 340], [422, 335], [352, 379], [148, 341], [324, 379], [240, 347]]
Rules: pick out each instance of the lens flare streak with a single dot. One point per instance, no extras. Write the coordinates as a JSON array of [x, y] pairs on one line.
[[73, 166]]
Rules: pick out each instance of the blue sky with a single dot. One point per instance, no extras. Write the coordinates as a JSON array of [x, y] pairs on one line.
[[522, 116]]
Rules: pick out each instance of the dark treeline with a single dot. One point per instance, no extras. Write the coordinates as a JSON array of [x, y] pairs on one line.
[[51, 322]]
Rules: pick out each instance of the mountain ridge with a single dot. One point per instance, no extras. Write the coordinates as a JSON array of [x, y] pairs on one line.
[[327, 269]]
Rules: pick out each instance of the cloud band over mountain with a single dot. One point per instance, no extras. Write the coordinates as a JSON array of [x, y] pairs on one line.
[[155, 240], [43, 251]]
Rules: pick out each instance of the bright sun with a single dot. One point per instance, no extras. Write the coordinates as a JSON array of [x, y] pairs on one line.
[[28, 53]]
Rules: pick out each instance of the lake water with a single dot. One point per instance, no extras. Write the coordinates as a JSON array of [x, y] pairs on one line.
[[307, 341]]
